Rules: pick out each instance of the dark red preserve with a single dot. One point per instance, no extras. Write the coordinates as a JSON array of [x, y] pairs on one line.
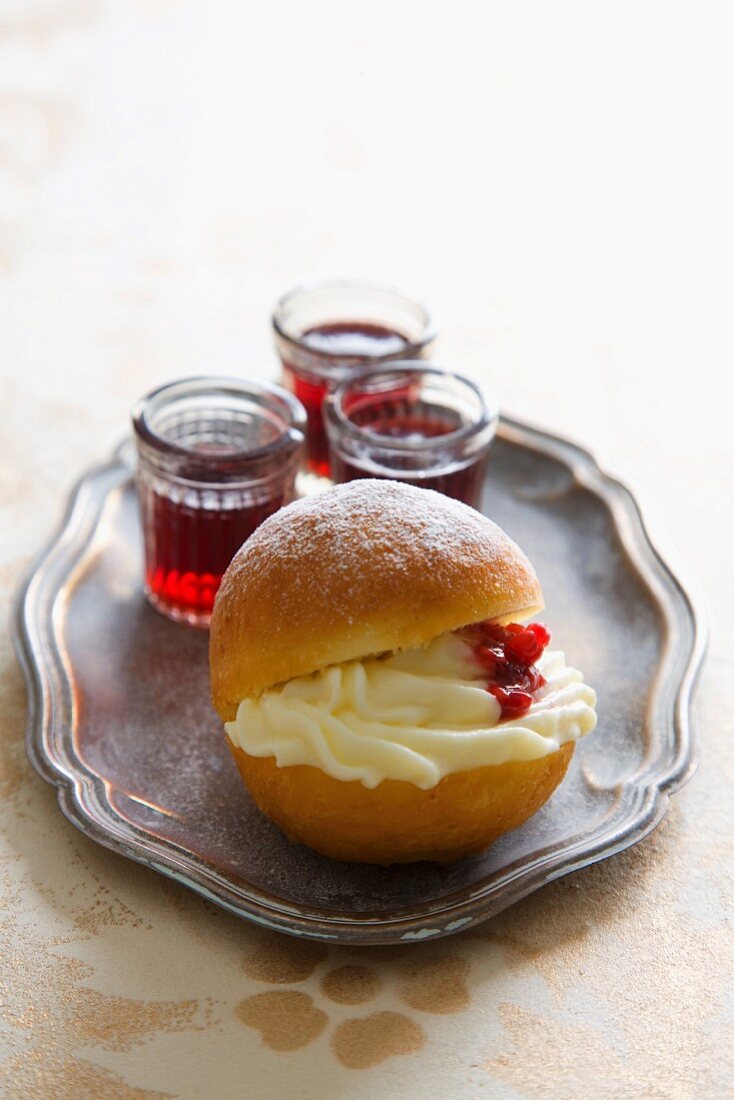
[[342, 342], [215, 458], [411, 422], [325, 333]]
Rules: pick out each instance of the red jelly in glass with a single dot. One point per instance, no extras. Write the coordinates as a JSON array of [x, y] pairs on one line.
[[325, 333], [413, 423], [343, 341], [215, 458], [189, 546]]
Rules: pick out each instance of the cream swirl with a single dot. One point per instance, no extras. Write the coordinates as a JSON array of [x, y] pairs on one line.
[[414, 716]]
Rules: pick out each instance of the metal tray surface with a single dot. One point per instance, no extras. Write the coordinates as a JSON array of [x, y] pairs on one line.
[[120, 719]]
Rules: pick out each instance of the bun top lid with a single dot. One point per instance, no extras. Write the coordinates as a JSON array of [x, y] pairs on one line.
[[363, 568]]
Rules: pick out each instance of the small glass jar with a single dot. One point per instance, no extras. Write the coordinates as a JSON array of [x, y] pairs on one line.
[[216, 456], [324, 333], [412, 423]]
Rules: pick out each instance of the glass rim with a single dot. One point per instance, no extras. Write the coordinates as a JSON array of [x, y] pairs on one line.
[[294, 418], [297, 341], [337, 419]]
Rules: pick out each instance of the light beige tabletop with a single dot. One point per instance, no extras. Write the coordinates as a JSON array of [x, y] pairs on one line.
[[555, 180]]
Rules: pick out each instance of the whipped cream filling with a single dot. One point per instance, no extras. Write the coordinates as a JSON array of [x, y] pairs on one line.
[[414, 716]]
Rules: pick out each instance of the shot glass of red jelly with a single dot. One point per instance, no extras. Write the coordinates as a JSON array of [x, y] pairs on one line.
[[325, 333], [216, 457], [414, 423]]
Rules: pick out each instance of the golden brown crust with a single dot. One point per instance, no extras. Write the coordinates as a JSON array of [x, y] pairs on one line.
[[365, 567], [397, 822]]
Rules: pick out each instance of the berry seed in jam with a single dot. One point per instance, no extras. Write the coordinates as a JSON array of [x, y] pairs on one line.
[[508, 655]]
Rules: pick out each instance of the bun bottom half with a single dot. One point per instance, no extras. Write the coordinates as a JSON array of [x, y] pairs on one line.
[[397, 822]]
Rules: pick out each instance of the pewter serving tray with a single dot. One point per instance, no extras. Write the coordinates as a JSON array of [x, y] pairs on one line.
[[120, 720]]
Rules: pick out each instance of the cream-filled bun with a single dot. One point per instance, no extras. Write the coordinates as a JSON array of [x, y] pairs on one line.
[[353, 700]]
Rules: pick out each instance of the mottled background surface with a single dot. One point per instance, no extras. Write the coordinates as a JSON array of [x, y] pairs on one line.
[[556, 181]]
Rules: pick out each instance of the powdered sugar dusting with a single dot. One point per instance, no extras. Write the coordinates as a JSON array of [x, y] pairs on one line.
[[401, 530]]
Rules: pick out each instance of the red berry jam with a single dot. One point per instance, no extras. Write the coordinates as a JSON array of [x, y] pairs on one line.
[[189, 547], [508, 654], [341, 343], [215, 458], [413, 423], [461, 481]]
